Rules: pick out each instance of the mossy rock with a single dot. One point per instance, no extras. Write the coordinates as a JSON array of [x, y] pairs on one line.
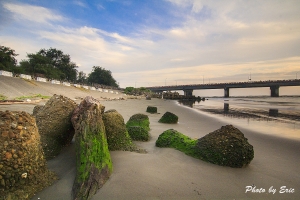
[[116, 132], [139, 119], [169, 118], [151, 109], [226, 146], [174, 139], [138, 133]]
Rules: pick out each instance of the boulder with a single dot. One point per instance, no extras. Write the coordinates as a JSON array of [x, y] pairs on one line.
[[169, 118], [54, 124], [93, 161], [151, 109], [174, 139], [139, 120], [23, 169], [116, 132], [226, 146], [138, 133]]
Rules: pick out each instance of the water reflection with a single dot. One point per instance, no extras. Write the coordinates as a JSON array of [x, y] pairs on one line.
[[189, 103]]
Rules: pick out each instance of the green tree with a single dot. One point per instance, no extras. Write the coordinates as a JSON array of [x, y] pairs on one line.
[[82, 79], [102, 76], [7, 58], [53, 63]]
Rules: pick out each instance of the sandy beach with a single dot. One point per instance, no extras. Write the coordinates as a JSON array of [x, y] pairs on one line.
[[165, 173]]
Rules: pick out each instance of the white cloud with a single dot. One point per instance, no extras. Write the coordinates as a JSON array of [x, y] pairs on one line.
[[32, 13]]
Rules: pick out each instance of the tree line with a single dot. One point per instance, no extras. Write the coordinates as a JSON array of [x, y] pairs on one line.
[[53, 64]]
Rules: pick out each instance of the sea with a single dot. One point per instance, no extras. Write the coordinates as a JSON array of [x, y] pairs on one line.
[[279, 116]]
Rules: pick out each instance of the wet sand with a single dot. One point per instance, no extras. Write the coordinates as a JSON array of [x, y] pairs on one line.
[[165, 173]]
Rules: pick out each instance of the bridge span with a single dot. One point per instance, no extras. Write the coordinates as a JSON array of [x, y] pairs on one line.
[[274, 86]]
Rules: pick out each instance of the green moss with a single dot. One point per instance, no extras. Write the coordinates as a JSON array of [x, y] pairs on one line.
[[174, 139], [138, 133], [139, 120], [169, 118], [151, 109], [93, 150]]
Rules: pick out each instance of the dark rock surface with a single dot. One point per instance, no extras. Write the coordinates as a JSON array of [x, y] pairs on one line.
[[54, 124], [23, 169], [138, 133], [139, 119], [226, 146], [93, 161], [151, 109]]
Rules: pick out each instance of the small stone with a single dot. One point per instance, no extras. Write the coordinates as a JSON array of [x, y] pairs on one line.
[[11, 134], [20, 127], [4, 134], [16, 166], [13, 125], [8, 155]]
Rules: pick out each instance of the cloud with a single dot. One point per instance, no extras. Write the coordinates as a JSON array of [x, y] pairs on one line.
[[32, 13], [80, 3]]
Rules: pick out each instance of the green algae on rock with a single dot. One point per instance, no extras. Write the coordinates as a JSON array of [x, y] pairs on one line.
[[23, 170], [139, 119], [226, 146], [93, 161], [169, 118], [151, 109], [116, 132], [138, 133]]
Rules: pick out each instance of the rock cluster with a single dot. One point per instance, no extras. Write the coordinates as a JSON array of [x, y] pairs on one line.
[[169, 118], [138, 133], [226, 146], [93, 161], [54, 124], [23, 169], [116, 132]]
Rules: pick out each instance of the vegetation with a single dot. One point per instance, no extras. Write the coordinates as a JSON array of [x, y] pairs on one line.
[[169, 118], [102, 76], [151, 109], [33, 96], [53, 64], [2, 97], [137, 91]]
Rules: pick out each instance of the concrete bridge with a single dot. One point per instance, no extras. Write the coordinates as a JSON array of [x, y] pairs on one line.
[[188, 89]]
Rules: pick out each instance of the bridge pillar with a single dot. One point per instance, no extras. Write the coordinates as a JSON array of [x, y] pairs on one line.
[[274, 91], [226, 92], [188, 92]]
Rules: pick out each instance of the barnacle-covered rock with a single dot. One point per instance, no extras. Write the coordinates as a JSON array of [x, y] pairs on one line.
[[54, 124], [226, 146], [23, 169]]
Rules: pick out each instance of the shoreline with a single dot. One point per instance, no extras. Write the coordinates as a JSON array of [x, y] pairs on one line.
[[165, 173]]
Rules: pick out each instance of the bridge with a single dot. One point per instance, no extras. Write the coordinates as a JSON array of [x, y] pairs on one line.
[[274, 86]]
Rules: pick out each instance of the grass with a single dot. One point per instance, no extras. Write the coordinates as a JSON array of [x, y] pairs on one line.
[[2, 97], [33, 96]]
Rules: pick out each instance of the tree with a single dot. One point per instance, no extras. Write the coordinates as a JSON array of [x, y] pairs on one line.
[[102, 76], [53, 63], [7, 58], [82, 79]]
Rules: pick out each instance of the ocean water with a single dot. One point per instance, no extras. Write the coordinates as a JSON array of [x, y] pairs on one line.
[[278, 116]]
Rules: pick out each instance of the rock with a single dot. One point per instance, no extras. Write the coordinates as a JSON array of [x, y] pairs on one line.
[[169, 118], [54, 124], [19, 156], [116, 132], [36, 109], [226, 146], [148, 97], [174, 139], [139, 120], [138, 133], [151, 109], [93, 161]]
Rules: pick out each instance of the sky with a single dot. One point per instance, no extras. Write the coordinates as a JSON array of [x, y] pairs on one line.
[[162, 42]]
